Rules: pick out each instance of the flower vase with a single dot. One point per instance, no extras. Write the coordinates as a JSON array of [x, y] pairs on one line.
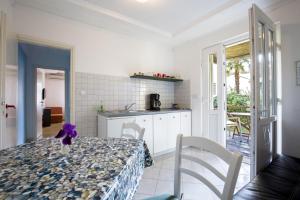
[[64, 149]]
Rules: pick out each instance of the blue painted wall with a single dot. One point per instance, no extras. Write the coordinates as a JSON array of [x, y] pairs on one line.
[[48, 58]]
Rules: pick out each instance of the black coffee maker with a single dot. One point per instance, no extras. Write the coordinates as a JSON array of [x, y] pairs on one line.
[[154, 102]]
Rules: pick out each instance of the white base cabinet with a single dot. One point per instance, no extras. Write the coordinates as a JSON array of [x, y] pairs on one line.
[[146, 122], [160, 135], [161, 130], [186, 123], [173, 129], [112, 127]]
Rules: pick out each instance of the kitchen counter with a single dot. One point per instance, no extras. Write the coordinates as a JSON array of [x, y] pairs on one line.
[[95, 168], [124, 113], [161, 127]]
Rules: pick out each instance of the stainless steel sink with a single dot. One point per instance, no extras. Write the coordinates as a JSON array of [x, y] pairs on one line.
[[124, 112], [130, 111]]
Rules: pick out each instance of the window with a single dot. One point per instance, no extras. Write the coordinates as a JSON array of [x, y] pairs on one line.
[[213, 81], [263, 110], [271, 71]]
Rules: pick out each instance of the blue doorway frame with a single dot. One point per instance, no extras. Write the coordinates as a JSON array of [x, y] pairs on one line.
[[31, 57]]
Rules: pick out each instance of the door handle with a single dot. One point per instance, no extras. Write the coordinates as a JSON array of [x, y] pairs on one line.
[[10, 106], [7, 106]]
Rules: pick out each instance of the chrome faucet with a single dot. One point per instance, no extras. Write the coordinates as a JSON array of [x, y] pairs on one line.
[[127, 107]]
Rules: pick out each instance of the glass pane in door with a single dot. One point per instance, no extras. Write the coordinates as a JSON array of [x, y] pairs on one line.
[[262, 71], [213, 81], [271, 70]]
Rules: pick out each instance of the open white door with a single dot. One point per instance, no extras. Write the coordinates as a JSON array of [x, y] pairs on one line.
[[2, 77], [40, 84], [262, 34], [8, 93], [213, 83]]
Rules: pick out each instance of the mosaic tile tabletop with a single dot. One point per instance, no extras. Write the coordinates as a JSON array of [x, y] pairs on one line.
[[93, 169]]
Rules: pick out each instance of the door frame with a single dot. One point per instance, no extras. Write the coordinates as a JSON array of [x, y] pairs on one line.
[[42, 67], [52, 44], [239, 38], [219, 47], [2, 75], [236, 39]]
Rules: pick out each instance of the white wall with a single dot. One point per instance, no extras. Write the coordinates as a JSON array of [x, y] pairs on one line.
[[96, 50], [188, 63], [291, 92], [11, 54], [55, 93]]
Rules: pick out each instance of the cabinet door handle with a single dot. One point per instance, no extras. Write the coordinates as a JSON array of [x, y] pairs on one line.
[[173, 117], [159, 118], [144, 120]]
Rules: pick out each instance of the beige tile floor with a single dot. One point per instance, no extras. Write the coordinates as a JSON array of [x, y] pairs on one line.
[[52, 130], [159, 178]]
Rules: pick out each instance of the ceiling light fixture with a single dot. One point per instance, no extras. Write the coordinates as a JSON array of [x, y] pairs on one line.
[[142, 1]]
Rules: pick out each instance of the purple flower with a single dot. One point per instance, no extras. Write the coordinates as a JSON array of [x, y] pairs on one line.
[[70, 130], [67, 140], [60, 134], [67, 133]]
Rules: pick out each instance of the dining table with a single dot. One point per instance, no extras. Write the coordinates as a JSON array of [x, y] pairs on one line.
[[92, 168]]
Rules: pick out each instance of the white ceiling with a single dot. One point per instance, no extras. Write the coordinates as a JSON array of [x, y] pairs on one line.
[[170, 16], [171, 21]]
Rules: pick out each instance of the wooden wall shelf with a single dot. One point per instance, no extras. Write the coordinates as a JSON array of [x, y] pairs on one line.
[[156, 78]]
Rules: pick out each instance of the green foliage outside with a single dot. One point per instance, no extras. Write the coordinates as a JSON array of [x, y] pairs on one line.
[[238, 102], [237, 99], [237, 66]]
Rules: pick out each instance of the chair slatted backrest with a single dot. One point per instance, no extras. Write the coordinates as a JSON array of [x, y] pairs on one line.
[[136, 132], [233, 160]]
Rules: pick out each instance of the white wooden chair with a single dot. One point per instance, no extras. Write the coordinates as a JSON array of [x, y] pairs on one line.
[[232, 159], [132, 130]]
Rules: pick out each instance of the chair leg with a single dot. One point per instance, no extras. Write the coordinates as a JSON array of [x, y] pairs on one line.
[[235, 132]]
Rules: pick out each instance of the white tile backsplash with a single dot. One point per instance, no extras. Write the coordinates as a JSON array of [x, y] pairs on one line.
[[114, 93], [182, 94]]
